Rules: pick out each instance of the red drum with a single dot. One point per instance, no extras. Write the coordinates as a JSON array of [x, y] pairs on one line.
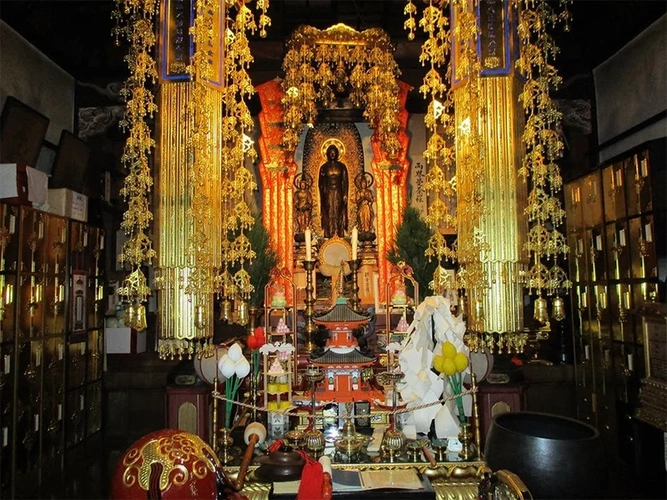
[[167, 464]]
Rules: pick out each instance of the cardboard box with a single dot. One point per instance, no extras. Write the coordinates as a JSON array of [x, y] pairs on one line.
[[124, 341], [68, 203], [22, 185]]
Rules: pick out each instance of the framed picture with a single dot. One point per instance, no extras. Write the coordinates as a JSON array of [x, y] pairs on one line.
[[22, 131], [69, 167]]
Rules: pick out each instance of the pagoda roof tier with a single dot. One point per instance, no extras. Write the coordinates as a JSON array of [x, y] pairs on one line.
[[351, 357], [341, 313]]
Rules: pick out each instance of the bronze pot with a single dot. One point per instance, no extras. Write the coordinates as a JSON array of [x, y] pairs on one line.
[[557, 457], [280, 465]]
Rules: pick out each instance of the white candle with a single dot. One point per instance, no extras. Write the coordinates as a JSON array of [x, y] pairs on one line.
[[631, 362], [619, 178], [649, 234], [12, 224], [621, 236], [587, 352], [355, 241], [309, 248], [598, 242], [8, 364], [644, 165], [376, 291], [40, 230]]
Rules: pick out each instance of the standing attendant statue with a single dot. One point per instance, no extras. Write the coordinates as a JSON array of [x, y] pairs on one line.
[[364, 200], [303, 202], [333, 186]]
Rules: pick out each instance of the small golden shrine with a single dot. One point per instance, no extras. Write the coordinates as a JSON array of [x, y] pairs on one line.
[[342, 362]]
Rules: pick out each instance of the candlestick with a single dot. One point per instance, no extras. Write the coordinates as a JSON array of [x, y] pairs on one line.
[[310, 328], [309, 244], [355, 242]]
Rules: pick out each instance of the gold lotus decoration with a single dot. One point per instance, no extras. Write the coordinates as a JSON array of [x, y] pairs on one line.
[[322, 64], [460, 105], [134, 23]]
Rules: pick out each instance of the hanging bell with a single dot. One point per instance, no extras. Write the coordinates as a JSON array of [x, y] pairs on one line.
[[200, 317], [129, 316], [242, 313], [541, 314], [226, 310], [463, 305], [558, 309], [140, 317]]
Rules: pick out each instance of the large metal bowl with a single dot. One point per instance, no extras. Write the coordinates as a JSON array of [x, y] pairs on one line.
[[557, 457]]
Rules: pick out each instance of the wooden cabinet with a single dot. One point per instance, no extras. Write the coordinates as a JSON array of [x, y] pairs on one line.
[[615, 229], [51, 313], [495, 399]]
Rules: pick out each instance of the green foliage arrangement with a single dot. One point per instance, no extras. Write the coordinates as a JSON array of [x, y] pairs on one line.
[[410, 246], [265, 260]]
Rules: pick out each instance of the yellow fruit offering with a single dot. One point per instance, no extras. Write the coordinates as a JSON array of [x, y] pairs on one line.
[[273, 405], [448, 350], [461, 362], [448, 367], [438, 362], [285, 404]]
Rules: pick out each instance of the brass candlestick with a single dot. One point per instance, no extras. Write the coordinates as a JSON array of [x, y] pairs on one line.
[[310, 328], [475, 415], [354, 267], [393, 439], [314, 438]]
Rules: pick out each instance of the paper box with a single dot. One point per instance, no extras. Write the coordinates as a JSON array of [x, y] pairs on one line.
[[68, 203], [22, 185], [124, 341]]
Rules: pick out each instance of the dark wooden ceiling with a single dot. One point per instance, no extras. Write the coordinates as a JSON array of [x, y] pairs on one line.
[[76, 34]]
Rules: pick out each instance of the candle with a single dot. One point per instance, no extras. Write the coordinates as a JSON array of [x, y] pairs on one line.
[[355, 241], [598, 242], [12, 224], [649, 234], [81, 402], [587, 352], [644, 164], [619, 178], [61, 352], [38, 357], [583, 299], [8, 364], [636, 167], [580, 245], [376, 291], [36, 420], [102, 243], [309, 243], [631, 362], [60, 411], [612, 178], [621, 237], [5, 436], [85, 238], [40, 229]]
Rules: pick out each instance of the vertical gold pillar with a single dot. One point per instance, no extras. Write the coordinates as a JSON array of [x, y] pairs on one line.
[[496, 303]]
